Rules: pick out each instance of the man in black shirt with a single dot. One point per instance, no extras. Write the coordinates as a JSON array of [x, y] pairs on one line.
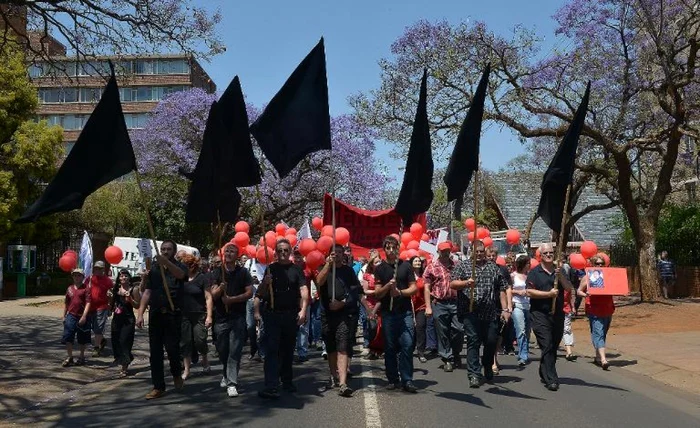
[[231, 289], [284, 312], [395, 283], [548, 327], [164, 323], [481, 324], [341, 302]]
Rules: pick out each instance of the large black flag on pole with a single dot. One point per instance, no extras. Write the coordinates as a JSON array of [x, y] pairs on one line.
[[416, 193], [104, 136], [560, 173], [465, 156], [297, 120]]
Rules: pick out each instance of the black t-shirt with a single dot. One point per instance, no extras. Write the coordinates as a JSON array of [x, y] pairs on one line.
[[287, 280], [385, 273], [120, 305], [539, 279], [347, 287], [193, 294], [236, 282], [159, 300]]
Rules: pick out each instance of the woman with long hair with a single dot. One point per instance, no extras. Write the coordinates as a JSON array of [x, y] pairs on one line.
[[123, 321], [599, 310], [197, 307], [521, 308], [418, 301]]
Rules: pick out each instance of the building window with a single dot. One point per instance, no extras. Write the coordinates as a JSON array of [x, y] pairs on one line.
[[136, 120], [76, 122], [93, 95]]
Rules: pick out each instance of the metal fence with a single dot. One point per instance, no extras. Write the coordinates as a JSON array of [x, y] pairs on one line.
[[686, 254]]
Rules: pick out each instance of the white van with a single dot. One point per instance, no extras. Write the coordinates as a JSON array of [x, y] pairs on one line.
[[137, 250]]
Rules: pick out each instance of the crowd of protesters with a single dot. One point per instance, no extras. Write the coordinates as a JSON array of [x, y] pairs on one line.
[[406, 309]]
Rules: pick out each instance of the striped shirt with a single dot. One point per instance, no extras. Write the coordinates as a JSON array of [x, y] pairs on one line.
[[438, 276], [487, 290], [667, 269]]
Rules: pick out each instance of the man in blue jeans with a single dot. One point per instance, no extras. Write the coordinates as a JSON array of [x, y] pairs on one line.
[[395, 283]]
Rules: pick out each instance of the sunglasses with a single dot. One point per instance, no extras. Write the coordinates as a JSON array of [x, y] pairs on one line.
[[548, 253], [600, 264]]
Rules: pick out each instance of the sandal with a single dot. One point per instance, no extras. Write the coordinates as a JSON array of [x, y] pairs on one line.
[[571, 357], [206, 370], [605, 365], [495, 369], [80, 361], [67, 362]]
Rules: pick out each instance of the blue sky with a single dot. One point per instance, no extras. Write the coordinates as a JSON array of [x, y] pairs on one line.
[[265, 40]]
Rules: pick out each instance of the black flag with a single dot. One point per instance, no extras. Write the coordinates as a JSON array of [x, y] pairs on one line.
[[297, 121], [561, 170], [85, 170], [465, 156], [416, 194], [213, 195], [238, 159]]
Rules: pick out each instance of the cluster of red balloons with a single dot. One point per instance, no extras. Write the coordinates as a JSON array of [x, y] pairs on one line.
[[588, 250], [68, 260], [410, 242]]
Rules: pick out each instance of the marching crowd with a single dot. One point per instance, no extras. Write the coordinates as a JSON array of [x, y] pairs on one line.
[[284, 308]]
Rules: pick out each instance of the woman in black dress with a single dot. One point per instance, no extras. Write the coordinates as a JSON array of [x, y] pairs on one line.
[[124, 321]]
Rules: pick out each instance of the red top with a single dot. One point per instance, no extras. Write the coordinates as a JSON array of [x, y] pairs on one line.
[[76, 299], [371, 300], [567, 301], [600, 306], [99, 286], [419, 297]]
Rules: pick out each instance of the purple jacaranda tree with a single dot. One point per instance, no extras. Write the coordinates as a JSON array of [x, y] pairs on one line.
[[172, 139], [640, 56]]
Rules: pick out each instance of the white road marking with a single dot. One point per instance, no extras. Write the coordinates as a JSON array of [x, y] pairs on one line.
[[372, 418]]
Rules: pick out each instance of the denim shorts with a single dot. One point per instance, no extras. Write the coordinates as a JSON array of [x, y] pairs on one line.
[[71, 328], [599, 330], [99, 321]]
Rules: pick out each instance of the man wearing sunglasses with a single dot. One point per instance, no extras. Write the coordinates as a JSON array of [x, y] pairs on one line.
[[548, 327]]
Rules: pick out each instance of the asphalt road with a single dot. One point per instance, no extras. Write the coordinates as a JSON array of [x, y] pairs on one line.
[[588, 397]]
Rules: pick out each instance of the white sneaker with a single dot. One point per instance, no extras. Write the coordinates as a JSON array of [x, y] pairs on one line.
[[223, 383], [232, 391]]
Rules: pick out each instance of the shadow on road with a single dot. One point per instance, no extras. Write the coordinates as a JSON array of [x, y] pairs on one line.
[[466, 398]]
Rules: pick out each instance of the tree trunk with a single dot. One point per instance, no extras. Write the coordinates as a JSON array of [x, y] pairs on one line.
[[646, 248]]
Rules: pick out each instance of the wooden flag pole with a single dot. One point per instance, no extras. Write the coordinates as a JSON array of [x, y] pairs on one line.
[[267, 253], [560, 244], [218, 250], [153, 238], [476, 224], [396, 265], [333, 225]]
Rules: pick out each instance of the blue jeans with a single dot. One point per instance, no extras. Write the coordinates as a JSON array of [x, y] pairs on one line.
[[303, 336], [521, 321], [365, 327], [315, 325], [450, 331], [599, 330], [399, 343], [279, 341], [431, 341], [254, 339], [230, 336]]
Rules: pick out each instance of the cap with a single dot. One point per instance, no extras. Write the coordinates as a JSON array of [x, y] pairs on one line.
[[99, 264], [77, 270], [445, 245]]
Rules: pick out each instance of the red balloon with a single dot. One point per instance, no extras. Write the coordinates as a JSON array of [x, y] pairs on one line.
[[487, 241], [292, 239], [406, 237], [324, 244], [280, 229], [413, 245], [242, 226], [403, 255], [470, 237], [577, 261], [67, 263], [314, 259], [589, 249], [291, 231], [425, 237], [250, 251], [271, 239], [327, 230], [262, 258], [114, 255], [513, 236], [306, 246], [402, 247], [423, 254], [482, 233], [411, 253], [605, 258], [317, 223], [342, 236], [416, 231], [500, 261], [70, 253], [241, 239], [396, 236], [470, 224], [534, 263]]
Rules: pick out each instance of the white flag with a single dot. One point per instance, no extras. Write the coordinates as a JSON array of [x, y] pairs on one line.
[[304, 232], [85, 255]]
